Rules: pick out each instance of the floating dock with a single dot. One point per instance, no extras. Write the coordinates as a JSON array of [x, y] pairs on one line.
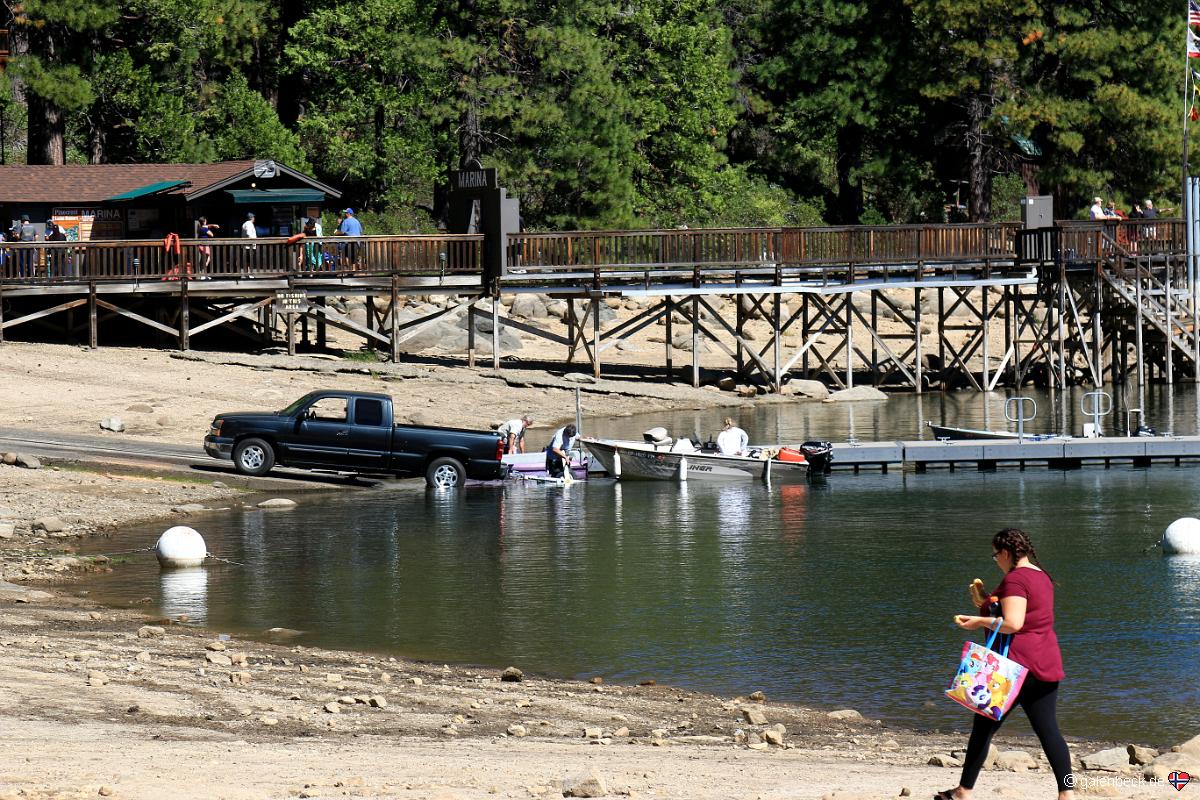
[[1055, 453]]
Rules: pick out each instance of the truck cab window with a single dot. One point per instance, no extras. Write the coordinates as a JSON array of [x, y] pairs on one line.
[[328, 409], [368, 412]]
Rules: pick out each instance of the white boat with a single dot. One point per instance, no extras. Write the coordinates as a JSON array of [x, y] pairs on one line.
[[662, 460]]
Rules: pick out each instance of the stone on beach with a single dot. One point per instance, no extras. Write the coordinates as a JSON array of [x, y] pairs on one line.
[[49, 525], [588, 784], [277, 502], [845, 714], [512, 674], [1113, 759], [113, 424], [26, 461], [754, 716], [858, 393], [151, 632], [1015, 761]]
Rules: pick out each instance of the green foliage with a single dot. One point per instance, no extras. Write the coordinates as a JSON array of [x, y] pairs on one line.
[[612, 114]]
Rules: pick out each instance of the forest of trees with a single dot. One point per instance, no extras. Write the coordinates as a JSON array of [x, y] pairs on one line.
[[622, 113]]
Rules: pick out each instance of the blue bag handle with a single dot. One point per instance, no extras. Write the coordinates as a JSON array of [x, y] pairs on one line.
[[1006, 639]]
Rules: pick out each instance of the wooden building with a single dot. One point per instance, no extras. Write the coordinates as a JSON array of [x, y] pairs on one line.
[[147, 201]]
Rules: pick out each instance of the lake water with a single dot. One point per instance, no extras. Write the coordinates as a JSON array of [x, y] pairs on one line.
[[834, 595]]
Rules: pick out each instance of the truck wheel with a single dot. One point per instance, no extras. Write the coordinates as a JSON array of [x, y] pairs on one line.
[[253, 457], [445, 473]]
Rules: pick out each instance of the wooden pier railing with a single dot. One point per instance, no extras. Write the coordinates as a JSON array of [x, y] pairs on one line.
[[825, 253], [68, 262]]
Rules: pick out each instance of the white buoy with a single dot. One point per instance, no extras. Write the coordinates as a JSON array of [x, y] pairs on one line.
[[180, 546], [1182, 537]]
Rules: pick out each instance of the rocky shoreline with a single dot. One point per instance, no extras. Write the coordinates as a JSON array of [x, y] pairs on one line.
[[66, 662]]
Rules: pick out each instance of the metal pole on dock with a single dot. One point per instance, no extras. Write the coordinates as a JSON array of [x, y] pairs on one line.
[[2, 292], [920, 366]]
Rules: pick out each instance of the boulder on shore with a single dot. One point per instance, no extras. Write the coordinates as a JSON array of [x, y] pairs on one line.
[[858, 393]]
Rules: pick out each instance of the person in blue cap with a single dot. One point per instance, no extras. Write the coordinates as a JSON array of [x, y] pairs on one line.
[[349, 226]]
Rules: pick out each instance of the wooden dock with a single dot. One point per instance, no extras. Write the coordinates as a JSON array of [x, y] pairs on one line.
[[1055, 453]]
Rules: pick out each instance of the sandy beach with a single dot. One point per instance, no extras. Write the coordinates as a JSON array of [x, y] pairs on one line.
[[115, 703]]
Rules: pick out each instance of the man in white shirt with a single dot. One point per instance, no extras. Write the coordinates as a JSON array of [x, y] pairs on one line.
[[732, 440], [1097, 209], [558, 457], [248, 229], [513, 432]]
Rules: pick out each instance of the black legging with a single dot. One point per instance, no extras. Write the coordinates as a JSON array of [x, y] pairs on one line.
[[1039, 699]]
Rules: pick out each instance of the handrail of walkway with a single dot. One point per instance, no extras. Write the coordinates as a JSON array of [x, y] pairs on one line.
[[341, 256], [823, 253]]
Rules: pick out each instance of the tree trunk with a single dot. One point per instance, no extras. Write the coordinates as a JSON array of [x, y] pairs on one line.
[[96, 140], [849, 162], [47, 132], [979, 161], [470, 146]]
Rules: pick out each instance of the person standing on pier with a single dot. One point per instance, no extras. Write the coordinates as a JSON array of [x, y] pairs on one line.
[[1027, 609]]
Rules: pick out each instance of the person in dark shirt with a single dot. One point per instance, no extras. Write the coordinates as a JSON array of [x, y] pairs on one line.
[[1027, 610]]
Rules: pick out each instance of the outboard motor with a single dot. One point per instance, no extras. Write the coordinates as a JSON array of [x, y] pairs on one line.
[[819, 456], [659, 437], [1145, 430], [710, 446]]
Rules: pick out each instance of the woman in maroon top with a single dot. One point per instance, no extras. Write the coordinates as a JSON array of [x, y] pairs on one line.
[[1027, 609]]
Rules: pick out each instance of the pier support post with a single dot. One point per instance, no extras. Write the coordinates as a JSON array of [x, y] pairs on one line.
[[322, 339], [918, 355], [496, 332], [1139, 353], [93, 320], [695, 342], [849, 340], [670, 327], [739, 325], [987, 334], [941, 332], [1169, 345], [1098, 327], [184, 316], [372, 322], [596, 336], [570, 329], [1062, 330], [2, 316], [471, 334], [776, 343], [395, 332]]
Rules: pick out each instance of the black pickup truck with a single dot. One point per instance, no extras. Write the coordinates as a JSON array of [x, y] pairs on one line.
[[353, 432]]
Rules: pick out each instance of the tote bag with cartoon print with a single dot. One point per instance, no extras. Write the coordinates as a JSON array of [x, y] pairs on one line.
[[987, 681]]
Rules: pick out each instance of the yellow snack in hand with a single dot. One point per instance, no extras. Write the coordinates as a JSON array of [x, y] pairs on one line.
[[978, 597]]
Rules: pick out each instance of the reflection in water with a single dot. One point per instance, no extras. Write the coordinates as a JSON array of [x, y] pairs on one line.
[[185, 591], [1183, 574], [722, 586]]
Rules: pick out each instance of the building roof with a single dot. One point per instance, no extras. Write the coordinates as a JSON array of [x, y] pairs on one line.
[[94, 183]]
